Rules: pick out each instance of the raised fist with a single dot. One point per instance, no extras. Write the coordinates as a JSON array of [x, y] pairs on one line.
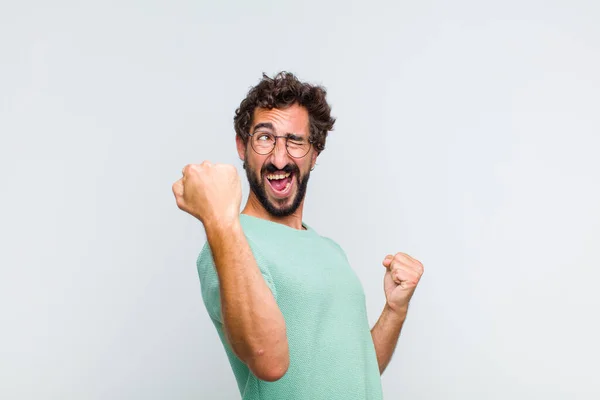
[[209, 192], [401, 279]]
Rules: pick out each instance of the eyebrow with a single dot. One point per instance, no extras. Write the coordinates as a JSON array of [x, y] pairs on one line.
[[294, 137], [269, 126], [264, 125]]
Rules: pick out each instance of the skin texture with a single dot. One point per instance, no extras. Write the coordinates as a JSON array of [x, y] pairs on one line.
[[252, 321], [293, 119]]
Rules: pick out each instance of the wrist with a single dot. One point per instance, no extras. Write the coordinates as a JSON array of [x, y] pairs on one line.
[[218, 226], [397, 313]]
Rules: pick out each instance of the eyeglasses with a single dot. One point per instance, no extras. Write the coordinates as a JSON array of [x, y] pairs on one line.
[[264, 142]]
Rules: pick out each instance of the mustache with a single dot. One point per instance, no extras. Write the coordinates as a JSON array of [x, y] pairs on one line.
[[270, 168]]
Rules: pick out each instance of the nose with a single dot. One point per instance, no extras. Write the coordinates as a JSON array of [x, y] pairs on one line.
[[280, 156]]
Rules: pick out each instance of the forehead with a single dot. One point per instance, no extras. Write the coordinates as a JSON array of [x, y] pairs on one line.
[[291, 119]]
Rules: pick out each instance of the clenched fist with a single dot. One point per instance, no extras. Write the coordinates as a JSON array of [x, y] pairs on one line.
[[209, 192], [401, 279]]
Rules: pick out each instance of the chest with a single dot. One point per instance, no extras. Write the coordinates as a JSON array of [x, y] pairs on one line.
[[315, 274]]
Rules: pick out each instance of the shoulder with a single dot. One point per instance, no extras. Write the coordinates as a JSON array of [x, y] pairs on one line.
[[205, 254], [205, 262], [333, 244], [209, 282]]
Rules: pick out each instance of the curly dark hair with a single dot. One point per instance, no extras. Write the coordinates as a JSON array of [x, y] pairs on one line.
[[281, 91]]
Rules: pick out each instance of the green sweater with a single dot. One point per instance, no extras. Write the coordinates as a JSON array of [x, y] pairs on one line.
[[332, 355]]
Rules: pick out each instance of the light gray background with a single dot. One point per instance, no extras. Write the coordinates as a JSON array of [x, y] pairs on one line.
[[467, 136]]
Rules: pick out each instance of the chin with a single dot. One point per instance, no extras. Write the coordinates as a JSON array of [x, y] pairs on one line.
[[281, 207]]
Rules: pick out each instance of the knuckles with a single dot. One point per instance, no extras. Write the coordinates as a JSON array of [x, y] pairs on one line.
[[402, 260], [187, 169], [206, 167]]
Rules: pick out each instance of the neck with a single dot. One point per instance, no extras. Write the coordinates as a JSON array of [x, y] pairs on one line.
[[253, 208]]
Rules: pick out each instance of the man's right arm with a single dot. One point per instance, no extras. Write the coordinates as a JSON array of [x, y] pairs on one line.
[[252, 321]]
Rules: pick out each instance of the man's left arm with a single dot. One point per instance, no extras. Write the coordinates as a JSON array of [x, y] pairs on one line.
[[399, 283]]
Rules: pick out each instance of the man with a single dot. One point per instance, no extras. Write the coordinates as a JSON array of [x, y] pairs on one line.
[[286, 304]]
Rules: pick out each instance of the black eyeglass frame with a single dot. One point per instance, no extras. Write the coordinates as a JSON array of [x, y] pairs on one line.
[[286, 137]]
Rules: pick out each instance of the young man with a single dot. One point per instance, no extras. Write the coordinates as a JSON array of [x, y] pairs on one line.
[[286, 304]]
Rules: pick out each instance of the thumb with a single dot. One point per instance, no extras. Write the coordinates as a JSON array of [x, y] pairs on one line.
[[178, 188], [387, 261], [178, 192]]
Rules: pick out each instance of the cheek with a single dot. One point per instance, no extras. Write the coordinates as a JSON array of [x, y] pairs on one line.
[[305, 165], [304, 169], [253, 163]]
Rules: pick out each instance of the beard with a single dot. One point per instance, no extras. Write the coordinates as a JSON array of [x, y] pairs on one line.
[[277, 208]]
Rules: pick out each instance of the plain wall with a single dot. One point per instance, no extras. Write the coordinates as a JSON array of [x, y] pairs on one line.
[[468, 136]]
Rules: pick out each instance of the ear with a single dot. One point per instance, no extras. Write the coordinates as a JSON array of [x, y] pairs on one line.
[[241, 147]]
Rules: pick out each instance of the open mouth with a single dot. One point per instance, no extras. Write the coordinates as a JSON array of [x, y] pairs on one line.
[[281, 183]]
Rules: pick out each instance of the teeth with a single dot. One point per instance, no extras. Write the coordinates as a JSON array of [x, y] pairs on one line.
[[278, 176]]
